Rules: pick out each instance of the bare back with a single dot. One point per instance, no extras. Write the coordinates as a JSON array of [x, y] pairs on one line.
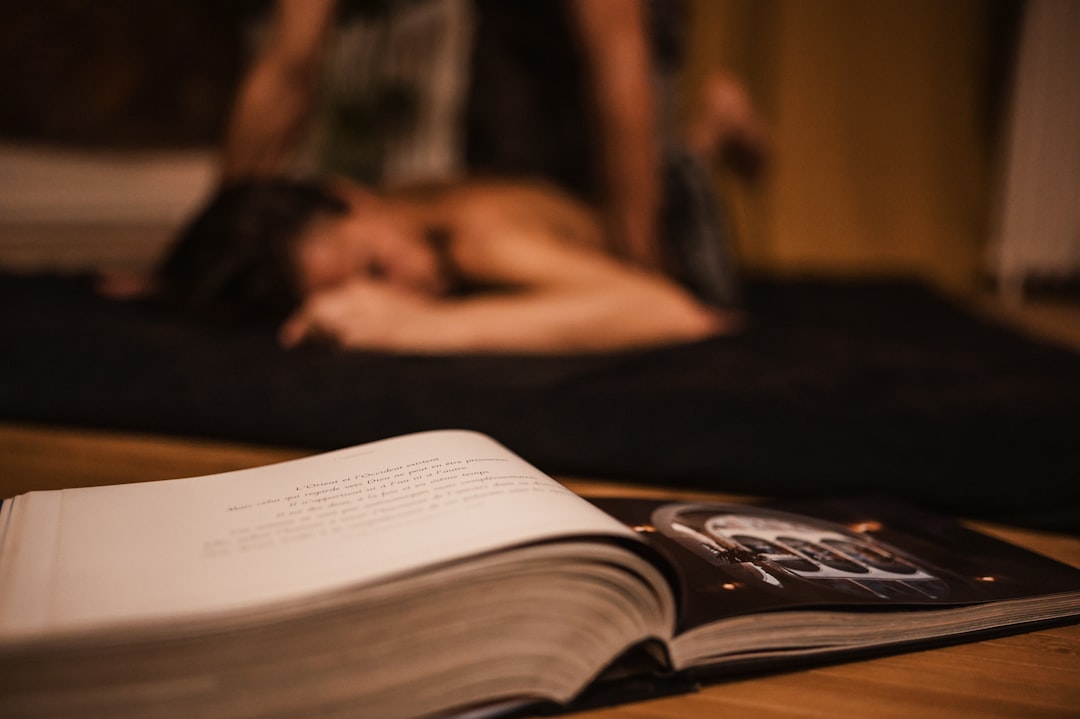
[[520, 234]]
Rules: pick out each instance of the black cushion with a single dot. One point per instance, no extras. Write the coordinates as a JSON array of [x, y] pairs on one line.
[[884, 388]]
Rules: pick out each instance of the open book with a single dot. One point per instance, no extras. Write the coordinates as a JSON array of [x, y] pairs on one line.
[[439, 573]]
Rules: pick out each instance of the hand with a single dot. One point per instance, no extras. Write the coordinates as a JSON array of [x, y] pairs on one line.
[[361, 314], [121, 285], [728, 128], [266, 125]]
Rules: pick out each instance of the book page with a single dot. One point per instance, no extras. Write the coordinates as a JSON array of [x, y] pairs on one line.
[[131, 553]]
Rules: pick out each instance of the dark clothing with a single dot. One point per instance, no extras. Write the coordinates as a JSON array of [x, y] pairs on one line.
[[527, 111]]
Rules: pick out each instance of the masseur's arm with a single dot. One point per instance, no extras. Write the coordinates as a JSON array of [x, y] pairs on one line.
[[617, 54], [275, 99]]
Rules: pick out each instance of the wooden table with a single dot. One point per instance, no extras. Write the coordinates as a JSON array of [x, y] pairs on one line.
[[1030, 675]]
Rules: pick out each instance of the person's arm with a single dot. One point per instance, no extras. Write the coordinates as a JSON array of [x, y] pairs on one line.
[[617, 52], [597, 304], [275, 99], [629, 315]]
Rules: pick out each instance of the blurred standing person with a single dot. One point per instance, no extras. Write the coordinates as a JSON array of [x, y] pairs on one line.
[[578, 93]]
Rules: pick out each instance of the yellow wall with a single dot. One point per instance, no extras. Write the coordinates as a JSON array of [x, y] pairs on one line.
[[882, 142]]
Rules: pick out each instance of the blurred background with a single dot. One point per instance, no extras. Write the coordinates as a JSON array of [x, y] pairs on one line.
[[914, 138]]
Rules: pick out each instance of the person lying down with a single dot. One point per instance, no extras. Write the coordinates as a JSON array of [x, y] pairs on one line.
[[475, 267]]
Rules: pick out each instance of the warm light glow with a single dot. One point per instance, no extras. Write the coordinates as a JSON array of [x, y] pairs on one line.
[[644, 528], [864, 527], [730, 585], [986, 579]]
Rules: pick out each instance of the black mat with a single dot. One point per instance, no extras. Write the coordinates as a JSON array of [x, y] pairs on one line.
[[833, 389]]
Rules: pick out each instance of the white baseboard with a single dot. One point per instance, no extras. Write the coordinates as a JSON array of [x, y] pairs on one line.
[[72, 209]]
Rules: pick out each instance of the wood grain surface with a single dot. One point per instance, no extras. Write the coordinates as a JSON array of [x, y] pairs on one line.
[[1029, 675]]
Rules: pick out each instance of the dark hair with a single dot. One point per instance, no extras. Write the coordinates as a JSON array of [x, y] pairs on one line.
[[233, 261]]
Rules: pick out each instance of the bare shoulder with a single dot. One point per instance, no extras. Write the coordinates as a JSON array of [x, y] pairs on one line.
[[526, 206]]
